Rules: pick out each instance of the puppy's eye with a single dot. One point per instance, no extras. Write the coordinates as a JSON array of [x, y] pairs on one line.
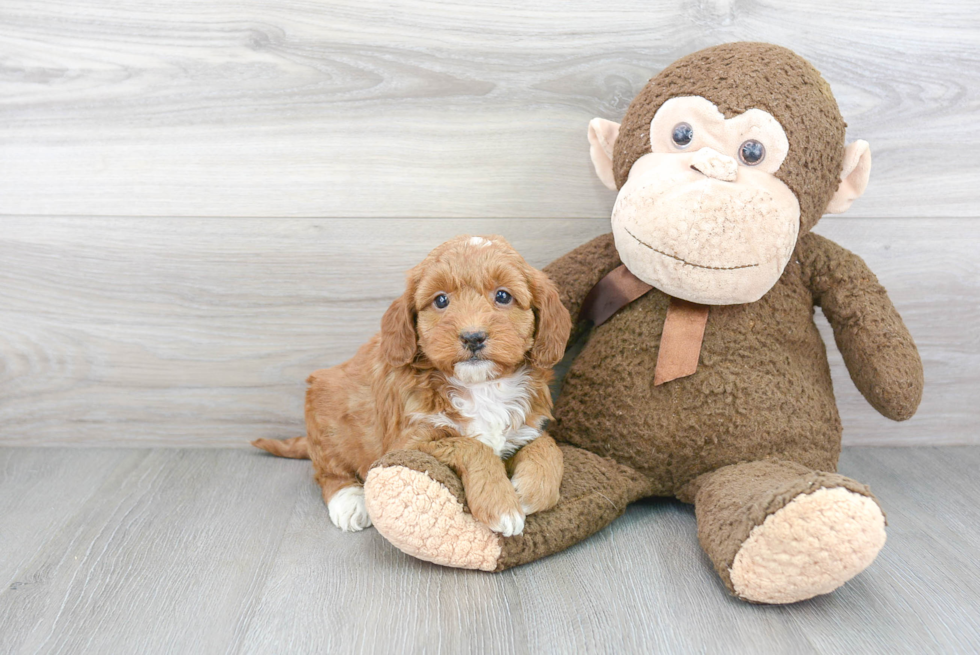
[[502, 297], [752, 152], [682, 135], [441, 301]]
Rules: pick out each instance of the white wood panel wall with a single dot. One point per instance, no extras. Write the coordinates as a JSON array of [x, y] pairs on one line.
[[419, 108], [202, 331], [203, 202]]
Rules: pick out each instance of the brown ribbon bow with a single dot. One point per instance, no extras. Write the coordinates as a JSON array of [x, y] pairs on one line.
[[680, 343]]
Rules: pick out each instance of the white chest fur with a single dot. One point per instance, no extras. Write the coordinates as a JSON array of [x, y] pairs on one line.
[[495, 411]]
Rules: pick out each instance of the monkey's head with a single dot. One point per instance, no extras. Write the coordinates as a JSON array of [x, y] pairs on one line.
[[722, 162]]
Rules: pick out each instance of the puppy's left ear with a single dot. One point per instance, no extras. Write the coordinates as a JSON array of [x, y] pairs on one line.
[[399, 341], [554, 322]]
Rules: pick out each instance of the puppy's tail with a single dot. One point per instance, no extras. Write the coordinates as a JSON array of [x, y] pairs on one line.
[[295, 448]]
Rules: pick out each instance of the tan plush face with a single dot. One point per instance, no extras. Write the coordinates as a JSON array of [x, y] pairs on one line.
[[723, 231], [703, 216]]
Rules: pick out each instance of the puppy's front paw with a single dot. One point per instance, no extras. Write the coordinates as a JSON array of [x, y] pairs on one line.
[[509, 523], [536, 493], [347, 510], [499, 509]]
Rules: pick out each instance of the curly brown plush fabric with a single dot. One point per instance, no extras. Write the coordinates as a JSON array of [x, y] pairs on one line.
[[879, 352], [594, 491], [763, 386]]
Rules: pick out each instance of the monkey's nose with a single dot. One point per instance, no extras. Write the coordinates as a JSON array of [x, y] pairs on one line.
[[712, 163], [474, 341]]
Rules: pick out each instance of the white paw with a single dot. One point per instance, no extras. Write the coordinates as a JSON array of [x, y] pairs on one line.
[[347, 510], [509, 524]]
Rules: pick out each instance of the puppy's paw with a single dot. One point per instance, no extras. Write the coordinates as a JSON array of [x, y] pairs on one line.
[[536, 493], [509, 523], [498, 509], [347, 510]]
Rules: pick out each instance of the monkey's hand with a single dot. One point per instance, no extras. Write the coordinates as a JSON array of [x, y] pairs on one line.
[[576, 272], [877, 347]]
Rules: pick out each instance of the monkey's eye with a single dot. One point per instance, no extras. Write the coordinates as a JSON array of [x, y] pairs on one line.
[[441, 301], [752, 152], [502, 297], [682, 135]]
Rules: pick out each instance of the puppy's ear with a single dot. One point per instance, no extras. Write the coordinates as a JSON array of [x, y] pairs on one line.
[[399, 340], [554, 322]]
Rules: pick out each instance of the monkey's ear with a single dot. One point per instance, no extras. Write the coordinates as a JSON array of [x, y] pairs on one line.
[[853, 177], [602, 138]]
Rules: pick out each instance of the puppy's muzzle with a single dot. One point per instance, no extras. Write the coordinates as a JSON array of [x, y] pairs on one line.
[[474, 341]]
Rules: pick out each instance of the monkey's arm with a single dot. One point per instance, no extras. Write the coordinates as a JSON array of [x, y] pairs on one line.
[[877, 347], [576, 272]]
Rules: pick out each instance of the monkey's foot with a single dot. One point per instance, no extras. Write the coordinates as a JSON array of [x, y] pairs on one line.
[[813, 545], [417, 504], [779, 532]]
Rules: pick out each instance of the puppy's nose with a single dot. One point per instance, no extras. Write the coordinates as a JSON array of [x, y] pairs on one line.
[[473, 341]]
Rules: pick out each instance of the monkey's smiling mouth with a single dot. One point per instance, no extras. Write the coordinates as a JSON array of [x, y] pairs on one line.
[[684, 261]]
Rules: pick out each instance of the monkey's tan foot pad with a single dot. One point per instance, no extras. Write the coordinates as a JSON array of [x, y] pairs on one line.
[[417, 504], [811, 546]]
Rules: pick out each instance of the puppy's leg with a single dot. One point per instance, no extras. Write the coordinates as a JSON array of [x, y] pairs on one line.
[[489, 494], [333, 442], [342, 490], [536, 474], [344, 497]]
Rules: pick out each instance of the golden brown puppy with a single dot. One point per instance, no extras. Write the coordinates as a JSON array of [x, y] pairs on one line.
[[460, 370]]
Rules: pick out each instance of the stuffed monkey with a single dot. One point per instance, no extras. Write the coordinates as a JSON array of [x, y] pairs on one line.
[[704, 377]]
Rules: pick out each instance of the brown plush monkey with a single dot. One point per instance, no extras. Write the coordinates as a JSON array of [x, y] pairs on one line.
[[706, 378]]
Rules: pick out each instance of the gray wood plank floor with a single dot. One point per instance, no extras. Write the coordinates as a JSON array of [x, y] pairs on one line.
[[211, 551]]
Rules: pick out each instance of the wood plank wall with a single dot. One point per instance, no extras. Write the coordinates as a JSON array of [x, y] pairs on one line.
[[203, 202]]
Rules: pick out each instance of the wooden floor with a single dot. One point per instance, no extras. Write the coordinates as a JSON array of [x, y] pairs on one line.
[[227, 551]]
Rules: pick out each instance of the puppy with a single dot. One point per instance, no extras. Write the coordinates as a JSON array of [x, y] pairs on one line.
[[460, 370]]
